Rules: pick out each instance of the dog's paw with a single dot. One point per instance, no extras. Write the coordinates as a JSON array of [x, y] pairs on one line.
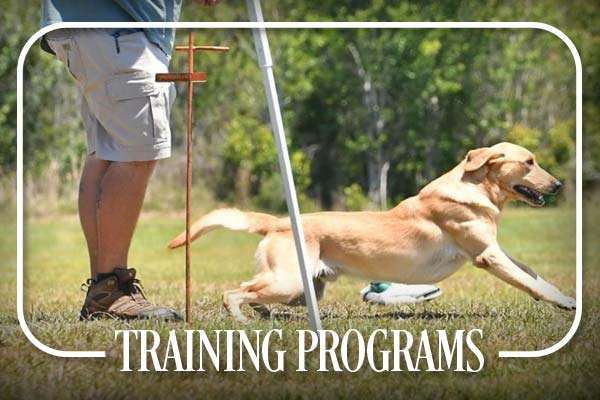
[[566, 303]]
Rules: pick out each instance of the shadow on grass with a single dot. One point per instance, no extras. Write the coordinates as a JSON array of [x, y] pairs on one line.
[[429, 315], [401, 315]]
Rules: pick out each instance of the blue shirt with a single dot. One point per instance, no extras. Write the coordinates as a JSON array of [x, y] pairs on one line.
[[54, 11]]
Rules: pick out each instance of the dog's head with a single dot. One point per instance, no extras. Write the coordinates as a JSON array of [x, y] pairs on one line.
[[515, 171]]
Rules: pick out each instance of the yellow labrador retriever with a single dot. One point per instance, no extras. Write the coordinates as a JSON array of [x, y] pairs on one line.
[[424, 239]]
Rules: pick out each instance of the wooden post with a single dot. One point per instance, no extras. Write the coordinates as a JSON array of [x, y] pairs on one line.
[[190, 77]]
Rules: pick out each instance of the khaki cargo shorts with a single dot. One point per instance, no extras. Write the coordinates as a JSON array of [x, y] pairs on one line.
[[125, 112]]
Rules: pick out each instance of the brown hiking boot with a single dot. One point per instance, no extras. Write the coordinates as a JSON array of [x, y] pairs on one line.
[[120, 295]]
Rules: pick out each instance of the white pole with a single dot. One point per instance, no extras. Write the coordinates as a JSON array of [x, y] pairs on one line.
[[266, 64]]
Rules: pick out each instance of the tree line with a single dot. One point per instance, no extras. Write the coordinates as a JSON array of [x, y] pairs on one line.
[[371, 115]]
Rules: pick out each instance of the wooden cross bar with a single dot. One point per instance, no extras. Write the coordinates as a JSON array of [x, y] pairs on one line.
[[203, 48], [195, 77], [190, 77]]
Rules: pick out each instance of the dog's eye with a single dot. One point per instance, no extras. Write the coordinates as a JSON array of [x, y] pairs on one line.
[[530, 161]]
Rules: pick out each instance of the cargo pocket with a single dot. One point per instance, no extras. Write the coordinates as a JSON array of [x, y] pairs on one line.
[[66, 51], [161, 111], [135, 117]]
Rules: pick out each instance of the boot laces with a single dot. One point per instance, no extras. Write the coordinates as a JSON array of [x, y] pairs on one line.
[[86, 285], [135, 289]]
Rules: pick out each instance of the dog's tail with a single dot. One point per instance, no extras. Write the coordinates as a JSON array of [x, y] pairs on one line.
[[229, 218]]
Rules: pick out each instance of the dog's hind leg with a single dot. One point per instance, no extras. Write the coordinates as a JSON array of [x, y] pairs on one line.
[[232, 300], [286, 284], [278, 280], [247, 293], [265, 288]]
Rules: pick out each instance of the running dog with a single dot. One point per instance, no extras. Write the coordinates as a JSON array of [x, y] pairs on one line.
[[424, 239]]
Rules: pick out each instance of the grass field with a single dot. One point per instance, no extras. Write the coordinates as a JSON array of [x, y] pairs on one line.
[[56, 266]]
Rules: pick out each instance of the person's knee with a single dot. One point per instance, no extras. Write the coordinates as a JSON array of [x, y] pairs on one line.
[[133, 172], [148, 165], [93, 172], [140, 168]]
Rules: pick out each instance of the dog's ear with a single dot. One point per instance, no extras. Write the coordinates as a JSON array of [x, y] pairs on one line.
[[479, 157]]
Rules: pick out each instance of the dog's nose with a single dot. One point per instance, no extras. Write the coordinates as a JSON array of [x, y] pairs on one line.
[[556, 186]]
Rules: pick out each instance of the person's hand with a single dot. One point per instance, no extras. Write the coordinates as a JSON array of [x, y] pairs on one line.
[[207, 2]]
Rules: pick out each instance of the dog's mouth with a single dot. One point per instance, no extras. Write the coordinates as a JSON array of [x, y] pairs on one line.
[[532, 196]]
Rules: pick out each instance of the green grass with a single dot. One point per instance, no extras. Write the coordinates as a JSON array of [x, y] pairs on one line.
[[56, 264]]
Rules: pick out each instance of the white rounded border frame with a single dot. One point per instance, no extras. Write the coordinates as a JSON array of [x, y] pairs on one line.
[[306, 25]]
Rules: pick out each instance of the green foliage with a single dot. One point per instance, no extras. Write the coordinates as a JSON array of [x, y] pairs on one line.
[[250, 145], [554, 150], [270, 195], [354, 198], [249, 139], [419, 99], [301, 168], [10, 40], [524, 136]]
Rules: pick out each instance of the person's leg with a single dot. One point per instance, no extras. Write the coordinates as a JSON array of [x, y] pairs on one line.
[[127, 119], [115, 291], [122, 192], [89, 190]]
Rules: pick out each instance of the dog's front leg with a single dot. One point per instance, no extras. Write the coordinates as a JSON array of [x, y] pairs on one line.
[[498, 263]]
